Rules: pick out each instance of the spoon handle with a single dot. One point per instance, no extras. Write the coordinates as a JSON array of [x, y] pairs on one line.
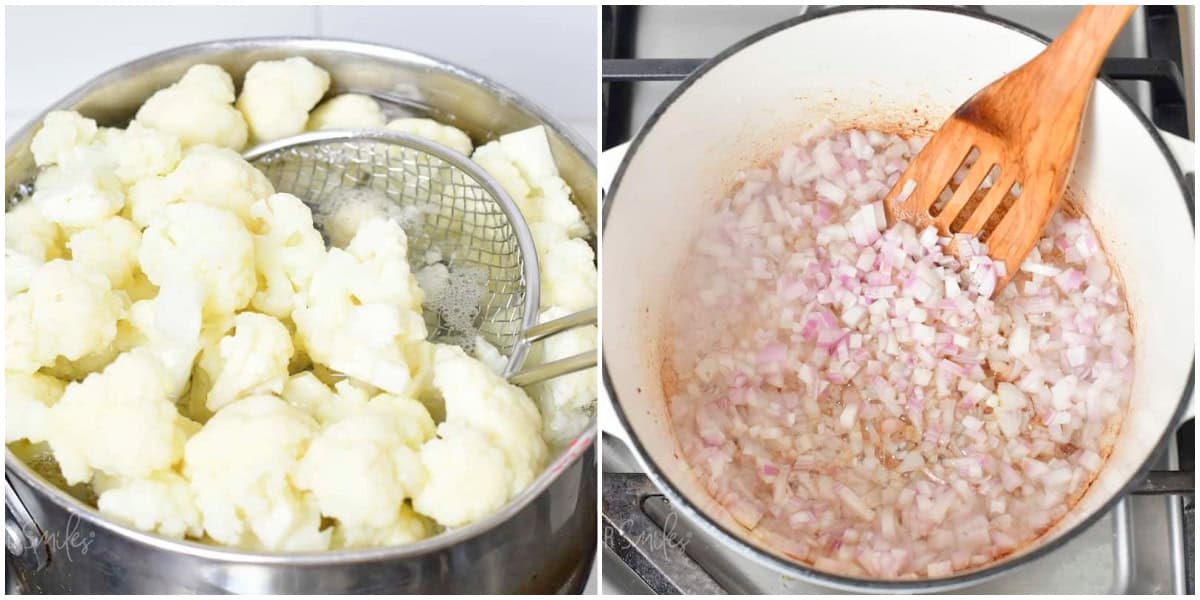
[[1080, 49]]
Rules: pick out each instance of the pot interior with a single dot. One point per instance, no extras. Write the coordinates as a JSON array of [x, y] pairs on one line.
[[407, 84], [890, 69]]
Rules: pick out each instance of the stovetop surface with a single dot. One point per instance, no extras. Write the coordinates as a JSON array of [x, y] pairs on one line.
[[703, 31]]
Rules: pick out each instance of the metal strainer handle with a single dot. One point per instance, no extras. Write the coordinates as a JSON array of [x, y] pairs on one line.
[[562, 366]]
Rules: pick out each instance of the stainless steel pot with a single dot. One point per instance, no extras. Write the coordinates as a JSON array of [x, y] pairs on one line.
[[884, 67], [543, 541]]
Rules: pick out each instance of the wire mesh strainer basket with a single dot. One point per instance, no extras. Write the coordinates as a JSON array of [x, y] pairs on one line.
[[460, 224]]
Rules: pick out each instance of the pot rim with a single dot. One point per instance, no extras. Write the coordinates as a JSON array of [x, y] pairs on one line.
[[795, 568], [574, 451]]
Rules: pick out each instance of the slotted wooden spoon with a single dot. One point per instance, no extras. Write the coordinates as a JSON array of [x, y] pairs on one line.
[[1022, 130]]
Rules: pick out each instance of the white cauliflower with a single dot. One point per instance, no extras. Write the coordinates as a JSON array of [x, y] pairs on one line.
[[193, 243], [347, 111], [171, 327], [251, 361], [128, 337], [524, 166], [420, 357], [62, 137], [119, 421], [162, 502], [287, 249], [198, 109], [469, 477], [309, 394], [110, 247], [28, 232], [80, 193], [488, 449], [206, 175], [362, 468], [567, 402], [68, 311], [568, 268], [446, 135], [322, 402], [29, 240], [362, 306], [241, 467], [18, 272], [490, 355], [27, 402], [344, 212], [138, 151], [408, 527], [277, 95]]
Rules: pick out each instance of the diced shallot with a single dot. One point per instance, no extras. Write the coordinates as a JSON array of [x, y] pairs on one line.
[[868, 401]]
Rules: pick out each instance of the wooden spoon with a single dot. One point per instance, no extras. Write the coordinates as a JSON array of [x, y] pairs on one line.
[[1022, 130]]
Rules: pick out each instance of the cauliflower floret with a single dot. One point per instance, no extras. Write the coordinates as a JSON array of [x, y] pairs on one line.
[[30, 240], [420, 358], [488, 449], [492, 158], [138, 151], [490, 355], [469, 477], [407, 528], [347, 111], [251, 361], [170, 326], [568, 402], [241, 467], [128, 337], [68, 311], [568, 268], [109, 248], [206, 175], [446, 135], [529, 149], [277, 95], [308, 393], [344, 213], [61, 138], [198, 109], [287, 250], [161, 503], [27, 402], [80, 193], [201, 244], [362, 306], [524, 166], [29, 233], [18, 272], [89, 428], [362, 468]]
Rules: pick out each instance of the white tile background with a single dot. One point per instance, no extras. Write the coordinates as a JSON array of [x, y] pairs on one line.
[[548, 54]]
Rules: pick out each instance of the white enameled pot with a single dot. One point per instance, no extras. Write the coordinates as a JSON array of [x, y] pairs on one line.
[[883, 67]]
